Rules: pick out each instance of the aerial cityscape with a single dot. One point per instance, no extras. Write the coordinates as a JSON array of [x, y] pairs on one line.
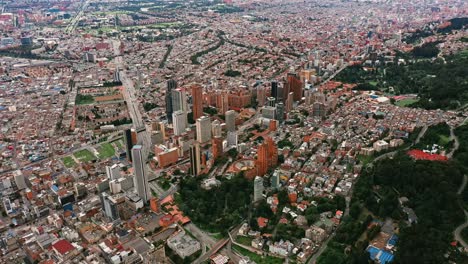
[[234, 131]]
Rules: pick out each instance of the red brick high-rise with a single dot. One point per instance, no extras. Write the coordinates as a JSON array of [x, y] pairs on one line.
[[295, 86], [217, 143], [197, 101], [262, 160], [267, 156]]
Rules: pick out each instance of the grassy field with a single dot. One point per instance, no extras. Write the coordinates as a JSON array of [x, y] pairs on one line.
[[106, 150], [244, 240], [406, 102], [68, 162], [257, 258], [84, 155], [84, 99]]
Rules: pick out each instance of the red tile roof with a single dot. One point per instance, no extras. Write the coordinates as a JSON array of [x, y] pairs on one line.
[[262, 222], [63, 246]]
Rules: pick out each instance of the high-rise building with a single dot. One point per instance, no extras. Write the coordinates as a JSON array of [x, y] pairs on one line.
[[290, 102], [195, 159], [20, 180], [232, 138], [230, 117], [267, 156], [197, 101], [156, 138], [141, 179], [262, 160], [216, 128], [217, 147], [113, 172], [203, 125], [109, 206], [275, 180], [295, 86], [280, 112], [269, 112], [271, 101], [179, 100], [261, 95], [274, 89], [159, 126], [179, 119], [318, 109], [128, 143], [171, 85], [222, 102], [258, 189]]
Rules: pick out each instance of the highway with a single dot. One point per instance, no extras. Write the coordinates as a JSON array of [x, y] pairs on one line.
[[130, 95], [74, 22], [218, 245], [459, 229]]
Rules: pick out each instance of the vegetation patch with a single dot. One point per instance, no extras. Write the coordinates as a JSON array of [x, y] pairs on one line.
[[106, 150], [257, 258], [68, 161], [84, 155]]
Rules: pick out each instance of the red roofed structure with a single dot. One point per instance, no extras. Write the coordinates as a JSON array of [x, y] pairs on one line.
[[421, 155], [262, 222], [63, 247]]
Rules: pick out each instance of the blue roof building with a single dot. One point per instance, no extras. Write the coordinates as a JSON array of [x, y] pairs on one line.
[[382, 256]]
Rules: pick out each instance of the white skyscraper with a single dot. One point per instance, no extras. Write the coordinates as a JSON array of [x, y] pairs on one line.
[[231, 120], [203, 129], [19, 180], [179, 100], [113, 172], [141, 179], [216, 128], [258, 189], [179, 121], [232, 138]]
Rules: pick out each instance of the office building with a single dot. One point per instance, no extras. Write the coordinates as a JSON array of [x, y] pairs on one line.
[[258, 189], [271, 101], [295, 86], [274, 90], [318, 109], [216, 128], [183, 245], [275, 180], [230, 117], [261, 96], [217, 147], [19, 180], [269, 112], [289, 102], [222, 102], [197, 101], [232, 138], [113, 172], [267, 156], [280, 112], [141, 178], [166, 156], [156, 138], [171, 85], [109, 206], [128, 143], [203, 125], [179, 100], [179, 119], [195, 159]]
